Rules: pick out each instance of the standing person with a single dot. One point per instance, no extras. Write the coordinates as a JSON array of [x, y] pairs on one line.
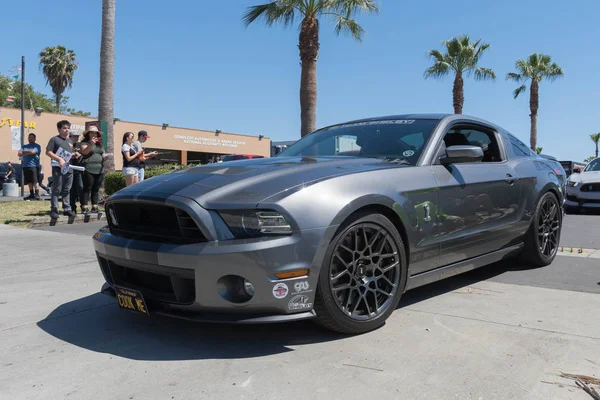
[[61, 183], [76, 192], [10, 174], [137, 146], [31, 163], [93, 161], [131, 159]]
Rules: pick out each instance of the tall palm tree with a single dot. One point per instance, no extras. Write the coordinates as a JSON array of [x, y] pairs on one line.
[[536, 68], [58, 65], [461, 57], [285, 11], [595, 138], [106, 97]]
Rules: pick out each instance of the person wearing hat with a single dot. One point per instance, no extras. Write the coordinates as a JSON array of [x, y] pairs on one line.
[[76, 159], [137, 146], [93, 161]]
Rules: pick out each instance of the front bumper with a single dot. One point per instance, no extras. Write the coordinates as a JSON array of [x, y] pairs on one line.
[[184, 280], [576, 198]]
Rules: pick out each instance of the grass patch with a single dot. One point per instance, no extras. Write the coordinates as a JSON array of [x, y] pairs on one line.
[[20, 213]]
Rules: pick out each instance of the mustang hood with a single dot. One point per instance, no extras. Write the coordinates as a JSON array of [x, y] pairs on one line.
[[586, 177], [248, 182]]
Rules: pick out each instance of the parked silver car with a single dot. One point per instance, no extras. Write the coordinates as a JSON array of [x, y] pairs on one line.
[[339, 238], [583, 189]]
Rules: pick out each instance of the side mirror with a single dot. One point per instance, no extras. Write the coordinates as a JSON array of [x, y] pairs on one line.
[[576, 170], [461, 154]]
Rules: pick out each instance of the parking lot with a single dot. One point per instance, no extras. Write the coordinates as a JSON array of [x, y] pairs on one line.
[[505, 331]]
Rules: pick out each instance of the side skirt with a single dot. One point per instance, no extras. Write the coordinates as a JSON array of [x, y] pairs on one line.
[[447, 271]]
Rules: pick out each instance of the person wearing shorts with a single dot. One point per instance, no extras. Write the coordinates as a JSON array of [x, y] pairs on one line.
[[31, 163], [131, 159]]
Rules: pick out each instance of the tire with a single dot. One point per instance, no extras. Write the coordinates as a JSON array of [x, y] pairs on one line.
[[358, 290], [545, 228]]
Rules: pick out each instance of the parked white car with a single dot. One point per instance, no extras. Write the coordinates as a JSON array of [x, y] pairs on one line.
[[583, 189]]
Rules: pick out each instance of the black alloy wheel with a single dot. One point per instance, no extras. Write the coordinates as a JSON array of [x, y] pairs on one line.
[[543, 237], [363, 276], [549, 227]]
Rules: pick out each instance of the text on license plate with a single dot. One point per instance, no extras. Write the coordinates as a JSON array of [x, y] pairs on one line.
[[131, 300]]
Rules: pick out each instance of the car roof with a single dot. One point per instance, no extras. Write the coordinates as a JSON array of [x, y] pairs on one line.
[[433, 116]]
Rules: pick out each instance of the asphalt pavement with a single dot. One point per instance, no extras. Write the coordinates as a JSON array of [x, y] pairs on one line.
[[505, 331]]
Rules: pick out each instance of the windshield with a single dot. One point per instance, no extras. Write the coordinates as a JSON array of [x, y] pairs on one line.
[[593, 166], [400, 140]]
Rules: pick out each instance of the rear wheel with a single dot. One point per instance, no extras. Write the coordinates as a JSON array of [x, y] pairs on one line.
[[363, 275], [543, 237]]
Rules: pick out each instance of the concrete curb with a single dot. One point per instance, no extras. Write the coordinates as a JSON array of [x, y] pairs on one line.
[[64, 220]]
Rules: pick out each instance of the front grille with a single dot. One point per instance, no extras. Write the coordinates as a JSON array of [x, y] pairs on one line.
[[590, 187], [177, 287], [153, 223]]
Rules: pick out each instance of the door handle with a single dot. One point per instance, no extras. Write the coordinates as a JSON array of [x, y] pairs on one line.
[[511, 179]]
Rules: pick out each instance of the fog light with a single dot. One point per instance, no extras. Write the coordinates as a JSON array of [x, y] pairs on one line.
[[248, 288]]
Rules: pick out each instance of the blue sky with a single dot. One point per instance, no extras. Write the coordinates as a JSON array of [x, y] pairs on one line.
[[193, 64]]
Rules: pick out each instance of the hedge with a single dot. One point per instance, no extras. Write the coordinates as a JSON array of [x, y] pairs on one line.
[[115, 181]]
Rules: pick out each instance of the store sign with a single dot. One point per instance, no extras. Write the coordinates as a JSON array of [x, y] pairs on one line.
[[213, 142], [16, 122]]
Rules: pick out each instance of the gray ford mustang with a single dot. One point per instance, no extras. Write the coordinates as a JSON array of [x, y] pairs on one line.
[[337, 227]]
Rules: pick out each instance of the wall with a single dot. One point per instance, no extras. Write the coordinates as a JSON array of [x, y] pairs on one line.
[[172, 138]]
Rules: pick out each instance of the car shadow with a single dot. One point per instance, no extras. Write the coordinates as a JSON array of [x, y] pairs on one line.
[[460, 281], [97, 324]]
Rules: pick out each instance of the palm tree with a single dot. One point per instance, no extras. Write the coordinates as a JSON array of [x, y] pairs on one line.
[[461, 57], [595, 138], [58, 65], [536, 68], [106, 97], [285, 11], [589, 159]]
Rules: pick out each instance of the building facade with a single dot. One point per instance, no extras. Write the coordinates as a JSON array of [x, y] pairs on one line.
[[174, 144]]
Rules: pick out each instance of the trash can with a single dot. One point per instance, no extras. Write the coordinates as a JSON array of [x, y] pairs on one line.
[[10, 189]]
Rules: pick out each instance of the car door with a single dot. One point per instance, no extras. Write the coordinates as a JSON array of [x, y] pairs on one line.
[[479, 200]]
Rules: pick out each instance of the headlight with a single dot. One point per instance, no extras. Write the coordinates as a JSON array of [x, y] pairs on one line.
[[573, 184], [253, 223]]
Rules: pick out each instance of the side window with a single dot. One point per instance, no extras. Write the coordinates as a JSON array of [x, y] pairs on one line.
[[471, 136], [519, 148]]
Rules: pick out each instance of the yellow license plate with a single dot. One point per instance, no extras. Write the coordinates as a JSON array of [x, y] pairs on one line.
[[131, 300]]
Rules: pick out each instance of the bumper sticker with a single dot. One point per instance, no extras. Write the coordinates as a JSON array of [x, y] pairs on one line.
[[299, 303], [280, 291]]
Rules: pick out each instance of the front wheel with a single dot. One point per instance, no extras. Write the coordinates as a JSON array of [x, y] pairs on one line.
[[543, 237], [363, 275]]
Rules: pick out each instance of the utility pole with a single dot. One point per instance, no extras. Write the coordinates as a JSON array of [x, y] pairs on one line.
[[22, 121]]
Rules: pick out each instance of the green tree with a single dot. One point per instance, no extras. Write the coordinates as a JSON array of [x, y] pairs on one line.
[[589, 159], [285, 11], [461, 57], [595, 138], [80, 113], [33, 99], [539, 150], [535, 69], [58, 65], [106, 97]]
